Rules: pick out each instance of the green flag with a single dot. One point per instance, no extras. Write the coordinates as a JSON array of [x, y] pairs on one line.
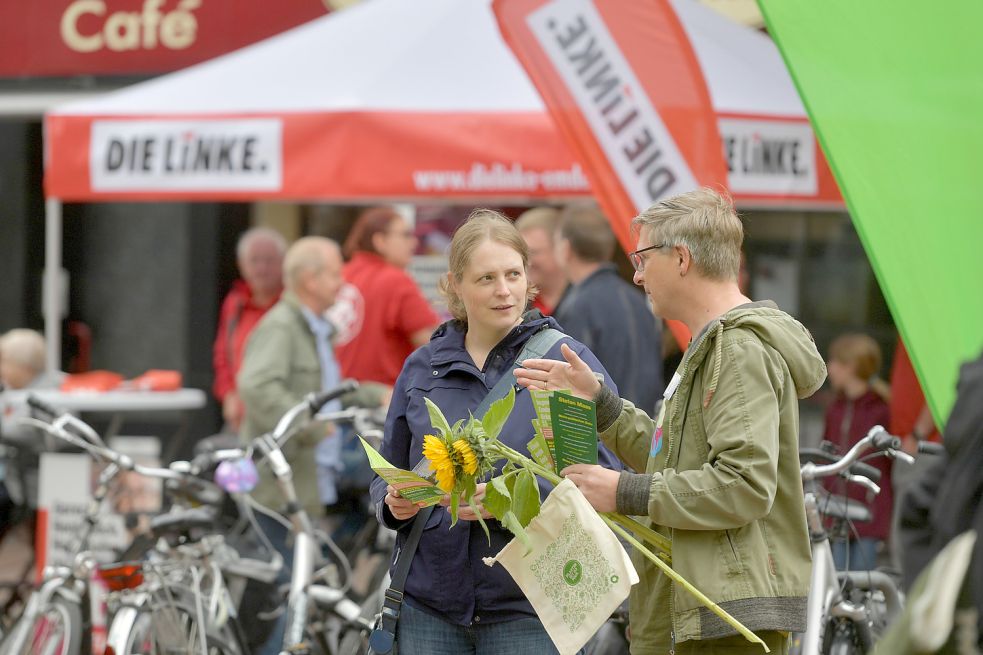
[[894, 91]]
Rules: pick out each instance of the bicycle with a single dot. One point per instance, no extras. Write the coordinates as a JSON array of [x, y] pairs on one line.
[[321, 617], [54, 619], [847, 610]]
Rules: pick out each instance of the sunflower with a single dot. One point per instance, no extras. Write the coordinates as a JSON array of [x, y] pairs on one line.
[[441, 461], [469, 461]]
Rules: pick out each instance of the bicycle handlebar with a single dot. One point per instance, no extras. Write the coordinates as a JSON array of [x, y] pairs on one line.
[[317, 401], [930, 448], [41, 406], [311, 403], [823, 456], [877, 439], [94, 445]]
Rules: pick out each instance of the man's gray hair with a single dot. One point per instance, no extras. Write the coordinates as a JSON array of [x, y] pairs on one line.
[[307, 254], [705, 222], [252, 235]]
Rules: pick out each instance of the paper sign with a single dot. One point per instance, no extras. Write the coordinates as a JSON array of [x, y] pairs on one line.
[[410, 485], [574, 430], [540, 451]]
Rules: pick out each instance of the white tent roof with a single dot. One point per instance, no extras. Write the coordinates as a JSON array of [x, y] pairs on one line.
[[426, 55], [399, 100]]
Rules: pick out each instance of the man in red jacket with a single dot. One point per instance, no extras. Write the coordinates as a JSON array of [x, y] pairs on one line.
[[259, 255]]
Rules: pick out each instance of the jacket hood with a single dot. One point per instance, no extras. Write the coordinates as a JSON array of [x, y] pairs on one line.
[[775, 328]]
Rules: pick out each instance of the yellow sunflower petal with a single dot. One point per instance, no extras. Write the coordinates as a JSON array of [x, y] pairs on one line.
[[445, 478], [468, 458], [435, 450]]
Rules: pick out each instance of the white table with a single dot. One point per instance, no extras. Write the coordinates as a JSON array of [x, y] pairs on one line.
[[116, 403]]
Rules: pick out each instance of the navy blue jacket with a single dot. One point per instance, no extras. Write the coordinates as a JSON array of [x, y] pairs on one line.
[[613, 319], [447, 577]]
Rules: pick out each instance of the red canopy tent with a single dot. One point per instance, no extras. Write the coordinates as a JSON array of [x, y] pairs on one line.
[[396, 100]]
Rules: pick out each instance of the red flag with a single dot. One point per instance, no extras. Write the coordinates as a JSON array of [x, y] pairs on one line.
[[626, 90]]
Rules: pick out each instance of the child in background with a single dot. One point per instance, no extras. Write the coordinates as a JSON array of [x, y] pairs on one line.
[[861, 403]]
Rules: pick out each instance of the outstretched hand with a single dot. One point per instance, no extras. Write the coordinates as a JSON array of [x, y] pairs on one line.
[[550, 374]]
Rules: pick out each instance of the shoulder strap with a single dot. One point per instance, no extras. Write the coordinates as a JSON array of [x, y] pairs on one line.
[[382, 638], [538, 345]]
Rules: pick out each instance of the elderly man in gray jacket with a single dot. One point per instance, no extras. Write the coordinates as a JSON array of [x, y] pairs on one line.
[[289, 355]]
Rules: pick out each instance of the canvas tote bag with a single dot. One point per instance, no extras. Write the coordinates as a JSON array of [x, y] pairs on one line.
[[577, 573]]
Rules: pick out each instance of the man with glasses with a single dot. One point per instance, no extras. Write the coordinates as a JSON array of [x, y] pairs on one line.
[[603, 311], [721, 470]]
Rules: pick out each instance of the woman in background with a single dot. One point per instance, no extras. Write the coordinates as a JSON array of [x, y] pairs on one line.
[[861, 403], [387, 315]]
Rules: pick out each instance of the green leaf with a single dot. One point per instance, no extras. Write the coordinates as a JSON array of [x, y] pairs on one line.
[[497, 414], [456, 428], [525, 498], [498, 498], [477, 513], [512, 523], [437, 419], [455, 503]]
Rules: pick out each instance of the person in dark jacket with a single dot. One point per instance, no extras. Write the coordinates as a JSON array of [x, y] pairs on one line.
[[861, 402], [453, 602], [946, 499], [604, 312]]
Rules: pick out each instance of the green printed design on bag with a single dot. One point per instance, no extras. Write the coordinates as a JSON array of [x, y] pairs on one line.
[[574, 573]]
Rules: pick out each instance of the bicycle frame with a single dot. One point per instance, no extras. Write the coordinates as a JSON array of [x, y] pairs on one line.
[[826, 601], [69, 582]]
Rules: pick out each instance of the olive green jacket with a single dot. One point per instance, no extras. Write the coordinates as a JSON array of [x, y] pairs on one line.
[[280, 367], [724, 483]]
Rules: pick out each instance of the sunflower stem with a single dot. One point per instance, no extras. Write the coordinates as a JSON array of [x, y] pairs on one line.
[[675, 577]]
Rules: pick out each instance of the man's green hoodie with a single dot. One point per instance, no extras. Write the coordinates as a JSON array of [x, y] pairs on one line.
[[722, 479]]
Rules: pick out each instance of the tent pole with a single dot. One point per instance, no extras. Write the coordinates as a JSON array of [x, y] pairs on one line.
[[52, 293]]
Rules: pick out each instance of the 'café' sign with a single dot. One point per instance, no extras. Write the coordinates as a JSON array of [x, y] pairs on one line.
[[134, 37]]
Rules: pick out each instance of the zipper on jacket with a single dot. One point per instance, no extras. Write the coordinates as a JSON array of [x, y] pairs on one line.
[[671, 416], [672, 613]]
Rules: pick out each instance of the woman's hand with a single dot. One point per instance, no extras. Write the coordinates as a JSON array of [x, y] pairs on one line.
[[464, 510], [550, 374], [399, 507]]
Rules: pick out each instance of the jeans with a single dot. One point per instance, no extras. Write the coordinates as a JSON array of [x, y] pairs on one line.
[[420, 633], [327, 454], [859, 554], [277, 534]]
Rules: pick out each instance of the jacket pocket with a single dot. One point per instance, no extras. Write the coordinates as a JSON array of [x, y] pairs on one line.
[[731, 554]]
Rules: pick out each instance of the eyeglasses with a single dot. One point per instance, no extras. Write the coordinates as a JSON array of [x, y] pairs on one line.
[[636, 257]]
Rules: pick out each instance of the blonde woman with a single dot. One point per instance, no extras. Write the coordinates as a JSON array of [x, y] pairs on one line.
[[453, 603]]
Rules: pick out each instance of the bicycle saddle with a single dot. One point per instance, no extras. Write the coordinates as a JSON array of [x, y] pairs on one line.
[[840, 507]]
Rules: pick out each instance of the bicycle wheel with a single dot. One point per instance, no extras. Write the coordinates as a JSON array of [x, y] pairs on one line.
[[841, 638], [170, 629], [56, 631]]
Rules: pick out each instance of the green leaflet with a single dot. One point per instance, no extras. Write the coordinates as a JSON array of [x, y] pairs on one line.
[[497, 414]]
